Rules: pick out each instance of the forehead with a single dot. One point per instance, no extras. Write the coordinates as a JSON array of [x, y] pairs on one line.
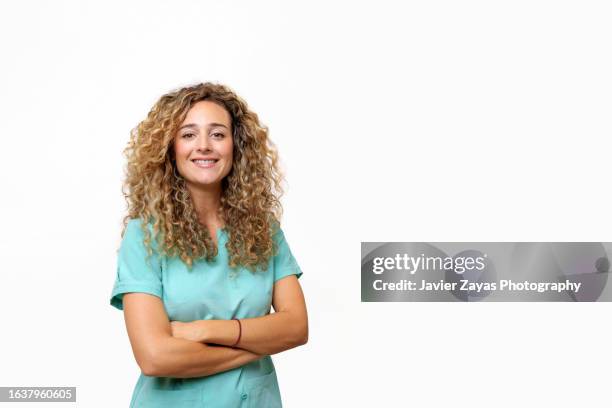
[[202, 113]]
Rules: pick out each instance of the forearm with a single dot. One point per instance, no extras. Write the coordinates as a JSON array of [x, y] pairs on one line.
[[269, 334], [181, 358]]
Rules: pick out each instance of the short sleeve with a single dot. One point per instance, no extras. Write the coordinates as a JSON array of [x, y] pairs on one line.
[[284, 262], [135, 271]]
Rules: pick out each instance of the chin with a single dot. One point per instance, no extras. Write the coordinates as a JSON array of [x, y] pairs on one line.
[[206, 182]]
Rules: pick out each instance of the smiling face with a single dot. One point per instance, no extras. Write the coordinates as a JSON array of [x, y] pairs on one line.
[[203, 146]]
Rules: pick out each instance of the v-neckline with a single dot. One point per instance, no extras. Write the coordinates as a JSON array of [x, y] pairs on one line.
[[219, 233]]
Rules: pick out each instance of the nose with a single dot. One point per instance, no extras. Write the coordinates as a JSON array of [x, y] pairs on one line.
[[203, 143]]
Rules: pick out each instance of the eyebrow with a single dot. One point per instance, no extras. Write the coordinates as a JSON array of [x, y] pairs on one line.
[[210, 125]]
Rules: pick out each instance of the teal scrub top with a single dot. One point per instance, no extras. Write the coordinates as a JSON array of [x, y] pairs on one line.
[[206, 292]]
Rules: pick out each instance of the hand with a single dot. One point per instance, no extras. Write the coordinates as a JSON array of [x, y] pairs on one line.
[[193, 331]]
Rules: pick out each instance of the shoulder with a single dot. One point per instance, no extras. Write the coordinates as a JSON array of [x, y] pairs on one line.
[[280, 241], [135, 245], [134, 231], [136, 226], [278, 235]]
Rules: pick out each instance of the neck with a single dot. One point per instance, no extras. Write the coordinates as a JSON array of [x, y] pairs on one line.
[[206, 200]]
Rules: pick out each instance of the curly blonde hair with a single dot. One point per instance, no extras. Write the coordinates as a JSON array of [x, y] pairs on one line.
[[156, 193]]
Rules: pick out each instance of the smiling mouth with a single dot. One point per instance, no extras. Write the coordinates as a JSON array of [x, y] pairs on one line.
[[205, 164]]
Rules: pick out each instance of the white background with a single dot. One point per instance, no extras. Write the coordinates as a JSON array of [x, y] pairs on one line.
[[395, 121]]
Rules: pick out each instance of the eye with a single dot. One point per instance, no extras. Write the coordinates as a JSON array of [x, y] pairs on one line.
[[188, 135], [218, 135]]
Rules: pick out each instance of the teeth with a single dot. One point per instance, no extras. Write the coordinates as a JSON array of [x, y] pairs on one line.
[[204, 161]]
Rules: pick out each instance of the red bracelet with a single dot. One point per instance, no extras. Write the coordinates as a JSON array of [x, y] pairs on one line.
[[239, 332]]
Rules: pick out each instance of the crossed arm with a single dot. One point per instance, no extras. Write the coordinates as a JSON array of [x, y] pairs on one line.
[[174, 349]]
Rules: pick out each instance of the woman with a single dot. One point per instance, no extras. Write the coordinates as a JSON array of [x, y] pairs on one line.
[[203, 256]]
